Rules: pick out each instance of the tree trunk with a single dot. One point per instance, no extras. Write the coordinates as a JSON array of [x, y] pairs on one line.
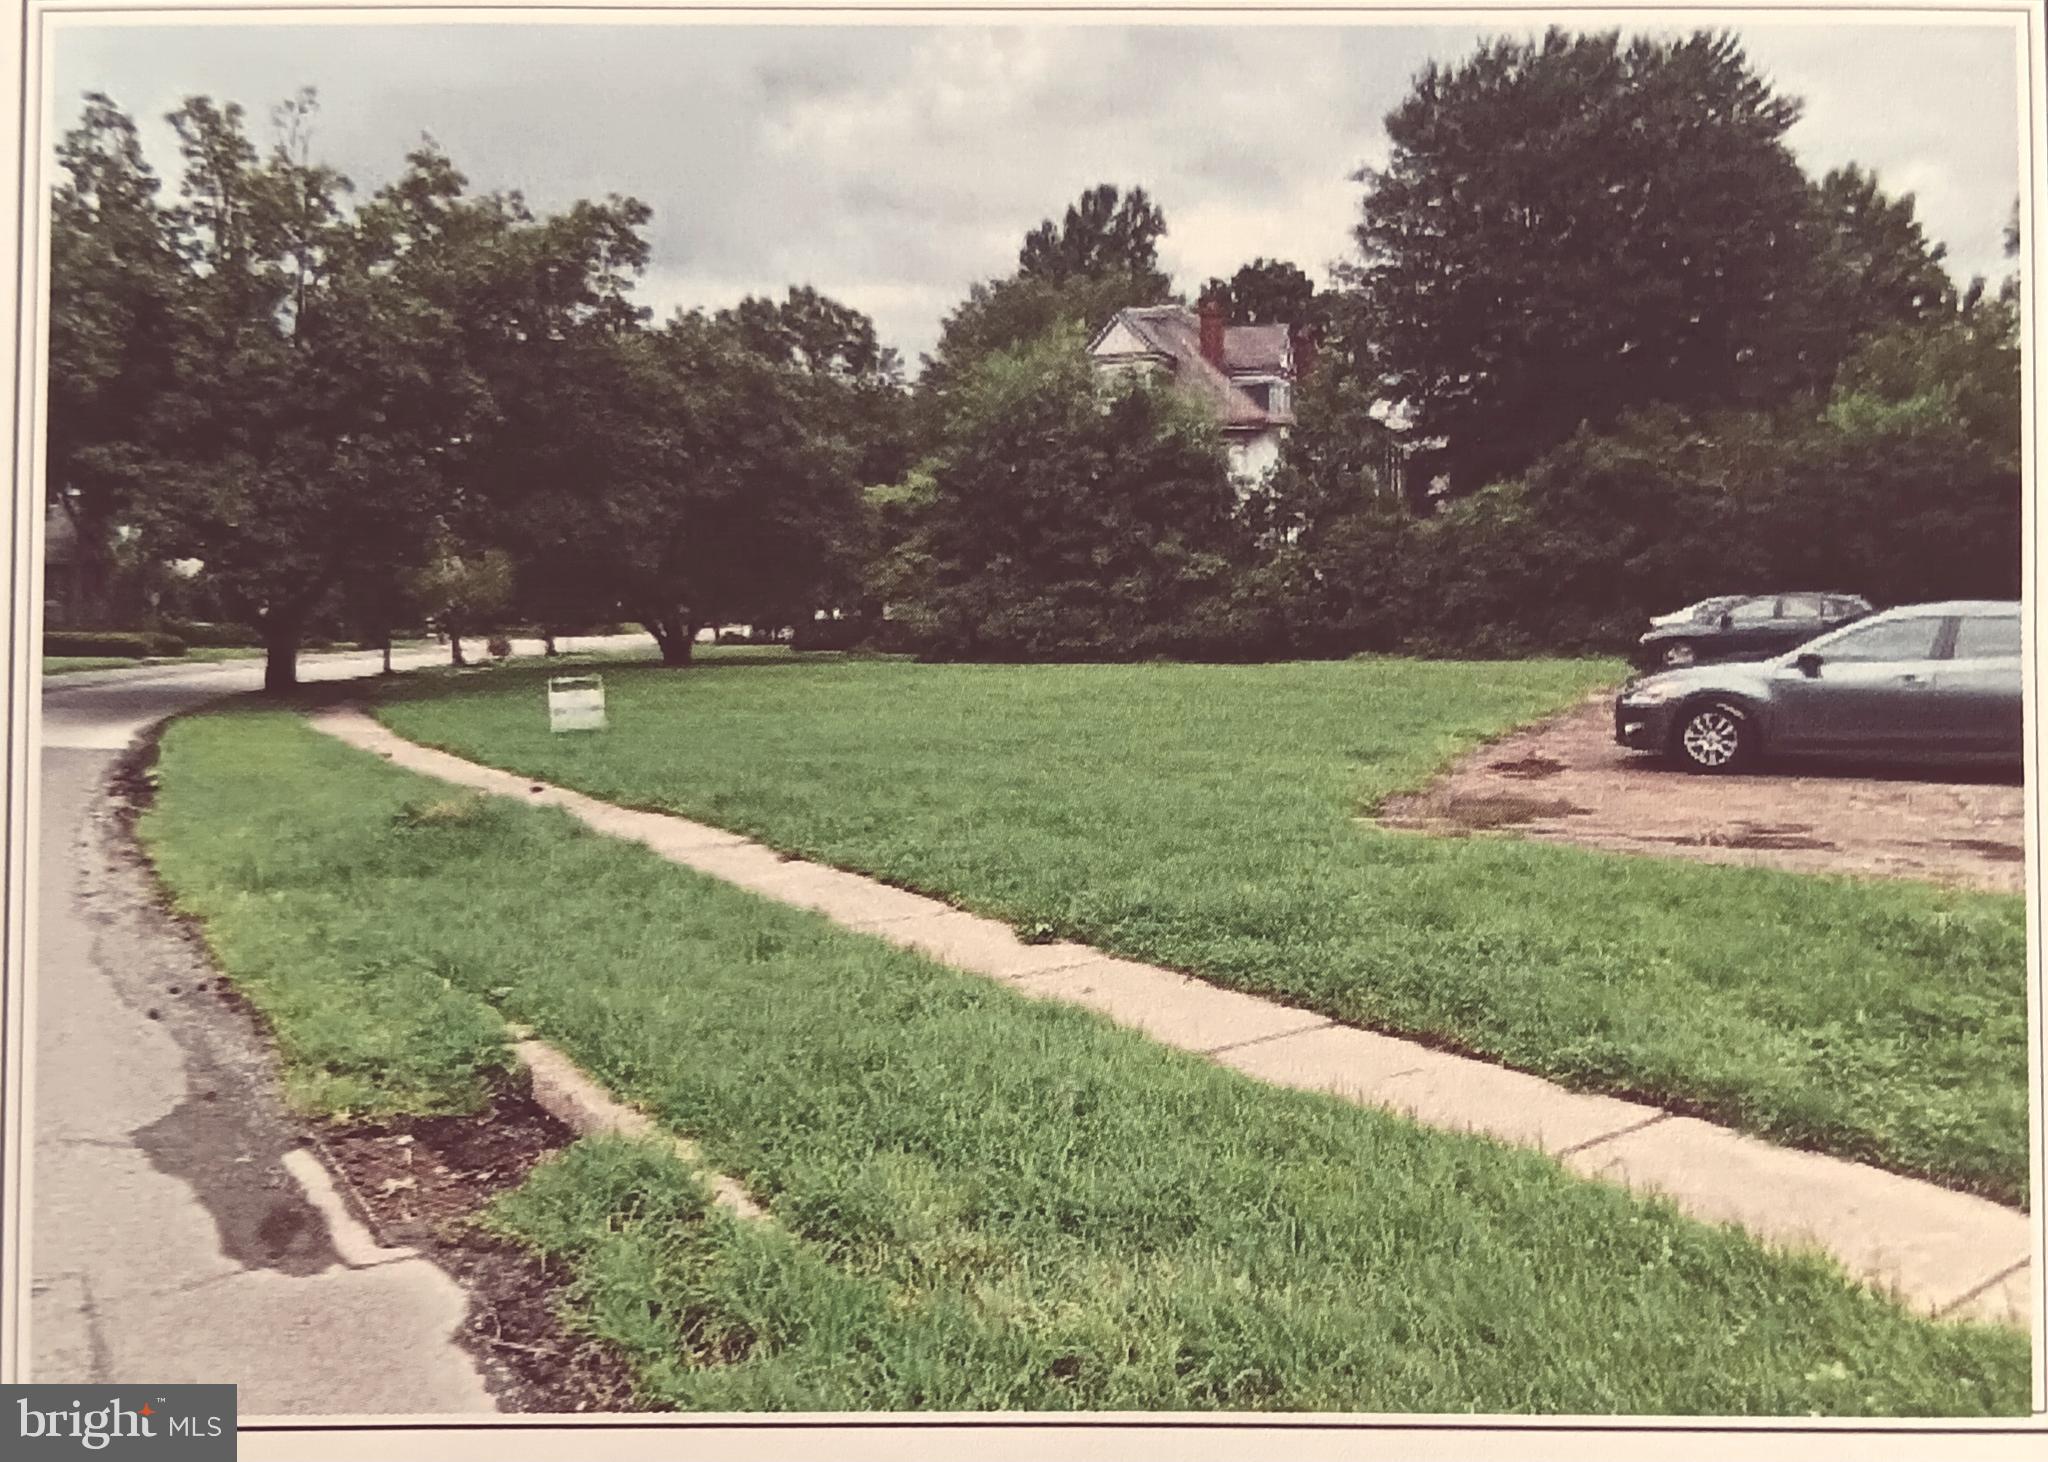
[[455, 648], [92, 576], [673, 636], [547, 639], [282, 627], [280, 656], [92, 567], [387, 656]]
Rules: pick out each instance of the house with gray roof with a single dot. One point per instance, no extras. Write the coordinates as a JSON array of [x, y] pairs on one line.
[[1244, 374]]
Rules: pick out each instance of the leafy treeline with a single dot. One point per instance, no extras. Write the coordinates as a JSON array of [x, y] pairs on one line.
[[1604, 348], [430, 404], [1627, 352]]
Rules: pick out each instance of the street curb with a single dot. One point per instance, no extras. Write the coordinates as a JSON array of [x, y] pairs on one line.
[[354, 1240], [572, 1097]]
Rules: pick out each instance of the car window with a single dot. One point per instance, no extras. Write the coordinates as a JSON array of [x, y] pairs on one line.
[[1988, 638], [1754, 610], [1799, 606], [1893, 639]]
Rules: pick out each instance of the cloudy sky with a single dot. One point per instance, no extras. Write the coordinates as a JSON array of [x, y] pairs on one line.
[[893, 165]]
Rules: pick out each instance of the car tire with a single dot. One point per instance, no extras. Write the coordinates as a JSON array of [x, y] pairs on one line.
[[1714, 737]]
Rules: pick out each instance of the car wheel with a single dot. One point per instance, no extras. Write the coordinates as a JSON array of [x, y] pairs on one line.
[[1679, 655], [1714, 736]]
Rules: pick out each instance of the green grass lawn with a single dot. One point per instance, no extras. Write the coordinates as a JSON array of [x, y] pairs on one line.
[[211, 654], [980, 1201], [197, 655], [1210, 818], [72, 664]]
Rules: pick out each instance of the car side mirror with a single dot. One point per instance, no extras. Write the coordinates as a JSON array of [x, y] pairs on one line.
[[1808, 665], [1727, 621]]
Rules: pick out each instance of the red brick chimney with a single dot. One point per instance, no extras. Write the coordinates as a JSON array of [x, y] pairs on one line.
[[1212, 333]]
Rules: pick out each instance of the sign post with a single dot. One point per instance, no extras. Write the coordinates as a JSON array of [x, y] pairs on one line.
[[576, 703]]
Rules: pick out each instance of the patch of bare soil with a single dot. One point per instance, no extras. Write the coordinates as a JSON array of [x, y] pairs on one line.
[[1473, 810], [1872, 822], [1529, 768], [421, 1182]]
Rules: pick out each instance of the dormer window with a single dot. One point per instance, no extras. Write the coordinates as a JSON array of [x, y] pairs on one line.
[[1268, 396]]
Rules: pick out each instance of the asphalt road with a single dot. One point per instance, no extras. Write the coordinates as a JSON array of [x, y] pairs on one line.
[[180, 1229]]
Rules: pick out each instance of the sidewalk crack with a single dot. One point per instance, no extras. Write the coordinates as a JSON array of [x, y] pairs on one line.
[[1964, 1298], [95, 1335], [1610, 1136], [1321, 1025]]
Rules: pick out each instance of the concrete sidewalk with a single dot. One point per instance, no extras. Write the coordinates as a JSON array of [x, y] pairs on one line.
[[1945, 1253]]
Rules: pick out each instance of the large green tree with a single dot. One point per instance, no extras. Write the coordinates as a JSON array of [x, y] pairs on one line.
[[689, 482], [1879, 269], [114, 301], [1577, 225], [1267, 292], [813, 332], [1064, 516], [1004, 315], [1072, 275], [854, 383], [1105, 231], [317, 392], [534, 299]]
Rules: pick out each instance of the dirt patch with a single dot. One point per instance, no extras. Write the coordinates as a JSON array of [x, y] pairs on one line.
[[1756, 835], [1503, 809], [421, 1182], [1941, 827], [1529, 768], [1985, 848]]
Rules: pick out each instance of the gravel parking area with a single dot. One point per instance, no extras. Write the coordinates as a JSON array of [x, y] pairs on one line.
[[1566, 781]]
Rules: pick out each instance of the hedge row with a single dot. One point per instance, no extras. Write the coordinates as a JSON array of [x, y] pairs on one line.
[[132, 644], [1907, 507]]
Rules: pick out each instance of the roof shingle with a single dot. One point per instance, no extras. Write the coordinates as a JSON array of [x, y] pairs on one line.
[[1174, 331]]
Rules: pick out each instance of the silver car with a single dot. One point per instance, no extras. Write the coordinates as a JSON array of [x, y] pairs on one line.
[[1921, 683]]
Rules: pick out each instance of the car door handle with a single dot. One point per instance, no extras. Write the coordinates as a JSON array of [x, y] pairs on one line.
[[1909, 678]]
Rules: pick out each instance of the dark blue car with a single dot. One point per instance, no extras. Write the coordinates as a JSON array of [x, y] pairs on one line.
[[1744, 627]]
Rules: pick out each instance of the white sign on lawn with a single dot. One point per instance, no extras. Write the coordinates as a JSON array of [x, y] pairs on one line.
[[576, 703]]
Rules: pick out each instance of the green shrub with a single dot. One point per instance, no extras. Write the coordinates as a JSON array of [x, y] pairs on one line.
[[1610, 528], [1064, 517], [131, 644]]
